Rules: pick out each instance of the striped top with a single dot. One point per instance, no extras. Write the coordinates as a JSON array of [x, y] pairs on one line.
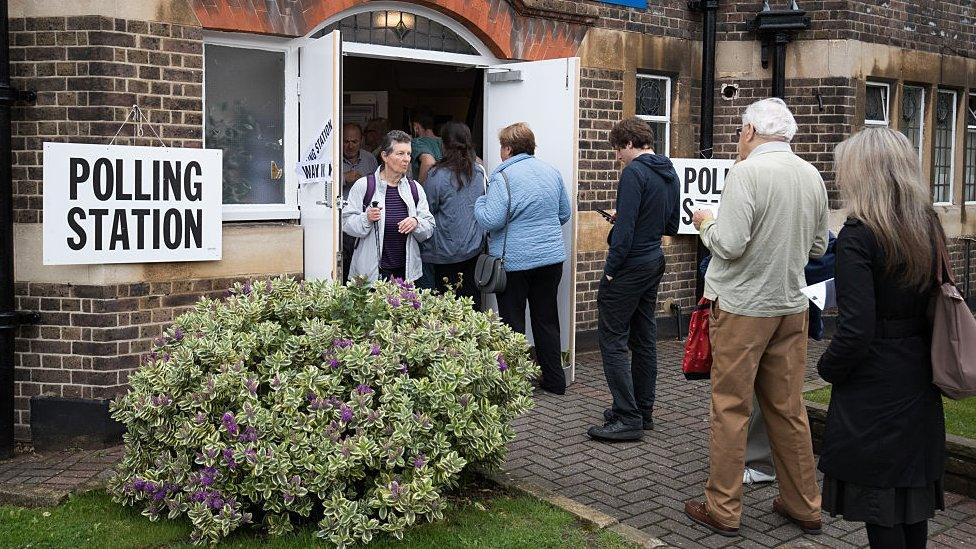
[[394, 243]]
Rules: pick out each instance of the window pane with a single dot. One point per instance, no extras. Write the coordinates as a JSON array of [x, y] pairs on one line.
[[945, 114], [399, 29], [912, 114], [876, 104], [969, 181], [245, 109], [652, 96], [660, 137]]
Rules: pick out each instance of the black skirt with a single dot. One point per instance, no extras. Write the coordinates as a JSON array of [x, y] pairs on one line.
[[883, 506]]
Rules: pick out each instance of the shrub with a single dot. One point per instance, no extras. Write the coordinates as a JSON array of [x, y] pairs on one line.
[[293, 401]]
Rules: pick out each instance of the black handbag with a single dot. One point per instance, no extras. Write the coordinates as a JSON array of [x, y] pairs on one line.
[[489, 271]]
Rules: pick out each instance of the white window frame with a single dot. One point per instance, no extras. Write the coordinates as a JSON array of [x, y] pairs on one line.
[[886, 100], [952, 142], [289, 209], [667, 110], [921, 120], [969, 129]]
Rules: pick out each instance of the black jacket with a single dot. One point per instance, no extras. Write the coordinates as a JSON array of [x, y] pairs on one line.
[[648, 206], [885, 426]]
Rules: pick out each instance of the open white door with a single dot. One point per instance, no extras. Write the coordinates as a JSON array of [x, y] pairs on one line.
[[545, 95], [319, 101]]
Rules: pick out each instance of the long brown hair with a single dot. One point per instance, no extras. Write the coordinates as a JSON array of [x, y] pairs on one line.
[[881, 180], [459, 155]]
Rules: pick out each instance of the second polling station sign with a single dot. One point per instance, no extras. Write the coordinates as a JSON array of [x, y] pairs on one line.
[[121, 204], [702, 182]]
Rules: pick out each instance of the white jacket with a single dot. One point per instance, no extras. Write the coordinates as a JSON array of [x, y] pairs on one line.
[[369, 249]]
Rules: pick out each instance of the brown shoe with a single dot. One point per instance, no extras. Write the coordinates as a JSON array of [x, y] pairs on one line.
[[696, 511], [813, 527]]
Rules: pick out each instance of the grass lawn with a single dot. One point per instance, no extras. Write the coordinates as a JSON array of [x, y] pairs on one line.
[[960, 415], [484, 518]]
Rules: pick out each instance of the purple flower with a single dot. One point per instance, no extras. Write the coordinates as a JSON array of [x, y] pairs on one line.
[[200, 418], [159, 495], [295, 480], [250, 434], [267, 285], [403, 369], [346, 414], [166, 357], [333, 363], [364, 389], [160, 341], [247, 288], [289, 498], [230, 424], [395, 489], [464, 401], [251, 455], [178, 334], [252, 385], [374, 350], [206, 476], [216, 503], [416, 304], [199, 496], [229, 458], [502, 365], [139, 484], [393, 301], [342, 343], [408, 296], [211, 453], [420, 460]]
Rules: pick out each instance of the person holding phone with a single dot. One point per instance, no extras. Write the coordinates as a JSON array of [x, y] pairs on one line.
[[393, 220], [648, 207]]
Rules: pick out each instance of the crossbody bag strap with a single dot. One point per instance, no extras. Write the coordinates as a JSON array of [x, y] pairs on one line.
[[508, 215], [944, 272]]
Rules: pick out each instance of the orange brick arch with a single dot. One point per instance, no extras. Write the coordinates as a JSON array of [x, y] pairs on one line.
[[508, 34]]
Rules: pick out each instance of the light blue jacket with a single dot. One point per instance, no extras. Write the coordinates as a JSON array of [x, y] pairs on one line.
[[540, 206]]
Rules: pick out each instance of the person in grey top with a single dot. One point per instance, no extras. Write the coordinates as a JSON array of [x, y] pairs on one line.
[[356, 163], [453, 185]]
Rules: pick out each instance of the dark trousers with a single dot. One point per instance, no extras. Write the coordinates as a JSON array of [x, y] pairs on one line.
[[627, 305], [453, 274], [540, 287]]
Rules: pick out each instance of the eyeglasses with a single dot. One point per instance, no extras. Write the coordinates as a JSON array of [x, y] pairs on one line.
[[738, 131]]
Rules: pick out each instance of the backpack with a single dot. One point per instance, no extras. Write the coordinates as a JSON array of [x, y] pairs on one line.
[[371, 190]]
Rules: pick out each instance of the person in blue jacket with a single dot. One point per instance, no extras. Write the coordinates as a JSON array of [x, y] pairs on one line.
[[524, 210]]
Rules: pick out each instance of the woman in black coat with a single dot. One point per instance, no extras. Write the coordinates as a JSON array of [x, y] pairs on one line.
[[883, 449]]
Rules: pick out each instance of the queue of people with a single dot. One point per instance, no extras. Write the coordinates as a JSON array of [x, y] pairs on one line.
[[883, 449]]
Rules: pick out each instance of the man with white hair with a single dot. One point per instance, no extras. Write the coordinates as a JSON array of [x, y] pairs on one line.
[[773, 218]]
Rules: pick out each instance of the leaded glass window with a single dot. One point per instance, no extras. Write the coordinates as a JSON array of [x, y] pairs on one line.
[[943, 148], [876, 104], [969, 181], [913, 116], [399, 29], [654, 106]]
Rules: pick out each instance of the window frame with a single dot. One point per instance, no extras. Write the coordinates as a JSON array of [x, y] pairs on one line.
[[921, 117], [952, 142], [666, 119], [288, 210], [969, 141], [886, 103]]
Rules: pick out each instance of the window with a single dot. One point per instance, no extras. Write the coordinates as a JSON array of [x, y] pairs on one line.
[[654, 106], [969, 182], [247, 115], [913, 116], [876, 104], [399, 29], [944, 146]]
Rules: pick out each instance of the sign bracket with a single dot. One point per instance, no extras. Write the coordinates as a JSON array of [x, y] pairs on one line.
[[137, 117]]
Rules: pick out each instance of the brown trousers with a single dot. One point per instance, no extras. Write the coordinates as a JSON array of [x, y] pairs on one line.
[[765, 357]]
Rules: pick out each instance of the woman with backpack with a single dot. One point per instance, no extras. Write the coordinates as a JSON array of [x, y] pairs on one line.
[[389, 216], [453, 185]]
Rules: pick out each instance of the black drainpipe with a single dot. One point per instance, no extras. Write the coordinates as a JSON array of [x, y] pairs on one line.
[[776, 29], [706, 132], [9, 319]]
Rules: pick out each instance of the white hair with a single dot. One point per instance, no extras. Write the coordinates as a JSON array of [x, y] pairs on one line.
[[770, 118]]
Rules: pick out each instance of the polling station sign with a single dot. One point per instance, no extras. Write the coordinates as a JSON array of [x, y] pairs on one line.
[[702, 182], [121, 204]]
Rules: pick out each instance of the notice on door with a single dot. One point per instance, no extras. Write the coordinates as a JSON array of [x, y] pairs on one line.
[[120, 204], [702, 182]]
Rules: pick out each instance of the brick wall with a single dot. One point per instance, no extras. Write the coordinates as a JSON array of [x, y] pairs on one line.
[[957, 254], [88, 71], [90, 338], [823, 121]]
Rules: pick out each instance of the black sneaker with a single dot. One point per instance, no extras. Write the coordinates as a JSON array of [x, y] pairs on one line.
[[609, 417], [615, 431]]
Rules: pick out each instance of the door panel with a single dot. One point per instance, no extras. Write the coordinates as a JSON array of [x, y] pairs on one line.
[[544, 94], [319, 101]]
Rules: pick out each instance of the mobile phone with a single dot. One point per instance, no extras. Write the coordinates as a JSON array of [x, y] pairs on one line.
[[606, 215]]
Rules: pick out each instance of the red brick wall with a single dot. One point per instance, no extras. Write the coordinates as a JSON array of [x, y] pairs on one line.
[[88, 72]]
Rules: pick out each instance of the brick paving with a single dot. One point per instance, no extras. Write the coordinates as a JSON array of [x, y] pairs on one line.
[[44, 479], [644, 484]]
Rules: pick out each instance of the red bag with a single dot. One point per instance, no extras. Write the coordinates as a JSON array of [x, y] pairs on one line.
[[697, 362]]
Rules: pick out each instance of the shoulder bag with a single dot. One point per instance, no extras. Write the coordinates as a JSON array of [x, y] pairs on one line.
[[953, 334], [489, 271]]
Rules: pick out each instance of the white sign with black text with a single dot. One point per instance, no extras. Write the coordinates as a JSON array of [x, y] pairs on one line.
[[315, 165], [121, 204], [702, 182]]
